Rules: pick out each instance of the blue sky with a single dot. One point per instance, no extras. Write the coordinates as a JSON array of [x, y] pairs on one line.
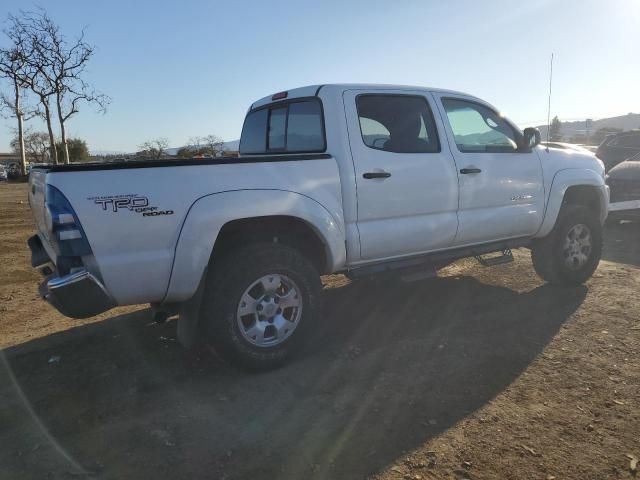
[[179, 69]]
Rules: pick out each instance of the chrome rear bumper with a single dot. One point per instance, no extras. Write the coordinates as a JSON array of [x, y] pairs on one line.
[[79, 294]]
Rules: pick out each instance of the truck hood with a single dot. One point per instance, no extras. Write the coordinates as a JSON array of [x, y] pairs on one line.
[[560, 159]]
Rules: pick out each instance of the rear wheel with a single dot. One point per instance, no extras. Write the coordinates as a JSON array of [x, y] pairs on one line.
[[260, 304], [571, 252]]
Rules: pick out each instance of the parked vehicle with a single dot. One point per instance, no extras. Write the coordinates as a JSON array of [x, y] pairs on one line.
[[13, 171], [3, 173], [359, 179], [624, 182], [565, 146], [619, 147]]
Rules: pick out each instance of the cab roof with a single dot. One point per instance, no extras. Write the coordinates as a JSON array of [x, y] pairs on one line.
[[313, 90]]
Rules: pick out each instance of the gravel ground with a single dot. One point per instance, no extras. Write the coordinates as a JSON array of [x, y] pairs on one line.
[[478, 374]]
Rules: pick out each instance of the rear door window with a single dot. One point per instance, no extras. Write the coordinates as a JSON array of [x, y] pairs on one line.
[[296, 126], [397, 123]]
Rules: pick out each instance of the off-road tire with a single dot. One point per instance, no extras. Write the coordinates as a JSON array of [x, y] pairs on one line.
[[547, 252], [231, 274]]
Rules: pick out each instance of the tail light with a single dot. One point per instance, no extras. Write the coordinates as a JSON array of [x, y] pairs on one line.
[[63, 227]]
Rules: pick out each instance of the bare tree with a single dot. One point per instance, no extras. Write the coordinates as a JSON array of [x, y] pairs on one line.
[[195, 145], [214, 145], [33, 76], [58, 65], [13, 63], [36, 146], [154, 148]]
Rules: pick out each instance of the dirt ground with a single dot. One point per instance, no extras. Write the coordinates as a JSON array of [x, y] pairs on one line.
[[478, 374]]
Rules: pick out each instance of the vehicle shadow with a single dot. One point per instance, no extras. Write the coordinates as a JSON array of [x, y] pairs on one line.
[[391, 365], [622, 243]]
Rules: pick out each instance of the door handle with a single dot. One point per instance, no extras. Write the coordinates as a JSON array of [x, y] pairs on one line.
[[470, 170], [370, 175]]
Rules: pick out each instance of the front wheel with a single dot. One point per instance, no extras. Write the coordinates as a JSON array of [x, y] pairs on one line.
[[571, 252], [260, 304]]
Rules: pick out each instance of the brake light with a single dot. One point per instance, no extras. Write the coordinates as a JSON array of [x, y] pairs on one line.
[[280, 96], [65, 232]]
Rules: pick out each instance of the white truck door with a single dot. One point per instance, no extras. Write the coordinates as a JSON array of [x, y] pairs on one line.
[[407, 186], [501, 187]]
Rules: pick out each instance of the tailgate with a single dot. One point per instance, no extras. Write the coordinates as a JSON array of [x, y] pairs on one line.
[[37, 187]]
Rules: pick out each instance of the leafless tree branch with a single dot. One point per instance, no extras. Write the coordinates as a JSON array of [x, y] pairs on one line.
[[55, 68], [154, 148]]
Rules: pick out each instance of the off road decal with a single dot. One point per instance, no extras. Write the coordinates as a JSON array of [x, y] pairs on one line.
[[129, 202]]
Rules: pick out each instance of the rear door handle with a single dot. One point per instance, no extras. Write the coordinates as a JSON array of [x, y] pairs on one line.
[[465, 171], [370, 175]]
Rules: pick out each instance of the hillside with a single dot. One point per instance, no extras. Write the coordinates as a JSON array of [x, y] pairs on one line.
[[629, 121]]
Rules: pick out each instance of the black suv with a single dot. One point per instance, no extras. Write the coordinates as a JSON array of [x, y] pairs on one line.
[[618, 147]]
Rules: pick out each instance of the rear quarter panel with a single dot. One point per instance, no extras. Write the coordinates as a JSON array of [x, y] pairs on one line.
[[134, 252]]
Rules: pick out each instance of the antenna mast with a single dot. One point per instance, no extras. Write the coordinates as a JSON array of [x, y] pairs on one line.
[[549, 105]]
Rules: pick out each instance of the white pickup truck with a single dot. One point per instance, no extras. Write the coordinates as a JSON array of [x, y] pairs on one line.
[[359, 179]]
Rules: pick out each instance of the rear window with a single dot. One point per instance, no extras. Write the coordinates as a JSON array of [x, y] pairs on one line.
[[276, 140], [293, 127]]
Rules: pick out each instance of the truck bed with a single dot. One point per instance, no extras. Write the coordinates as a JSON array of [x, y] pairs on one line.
[[146, 163], [133, 213]]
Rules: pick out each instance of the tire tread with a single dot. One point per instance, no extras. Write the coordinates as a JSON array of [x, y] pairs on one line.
[[230, 275]]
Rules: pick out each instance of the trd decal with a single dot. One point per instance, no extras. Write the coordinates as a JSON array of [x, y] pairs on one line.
[[131, 202]]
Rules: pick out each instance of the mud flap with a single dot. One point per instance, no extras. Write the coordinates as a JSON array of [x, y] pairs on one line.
[[189, 316]]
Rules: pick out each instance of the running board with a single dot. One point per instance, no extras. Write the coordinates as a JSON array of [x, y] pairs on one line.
[[505, 257], [440, 259]]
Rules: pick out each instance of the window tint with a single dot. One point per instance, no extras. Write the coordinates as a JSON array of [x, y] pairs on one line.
[[254, 132], [295, 126], [304, 130], [277, 124], [397, 123], [477, 128]]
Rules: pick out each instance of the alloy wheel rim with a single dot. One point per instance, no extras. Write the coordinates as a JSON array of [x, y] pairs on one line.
[[577, 247], [269, 310]]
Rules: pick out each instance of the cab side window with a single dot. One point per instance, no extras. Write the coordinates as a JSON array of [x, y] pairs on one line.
[[479, 129], [397, 123]]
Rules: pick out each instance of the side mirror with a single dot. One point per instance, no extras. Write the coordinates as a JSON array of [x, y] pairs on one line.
[[531, 138]]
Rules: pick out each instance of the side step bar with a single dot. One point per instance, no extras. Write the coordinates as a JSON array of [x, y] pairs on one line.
[[505, 257], [437, 260]]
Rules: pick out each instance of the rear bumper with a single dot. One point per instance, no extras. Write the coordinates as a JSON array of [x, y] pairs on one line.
[[78, 294]]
